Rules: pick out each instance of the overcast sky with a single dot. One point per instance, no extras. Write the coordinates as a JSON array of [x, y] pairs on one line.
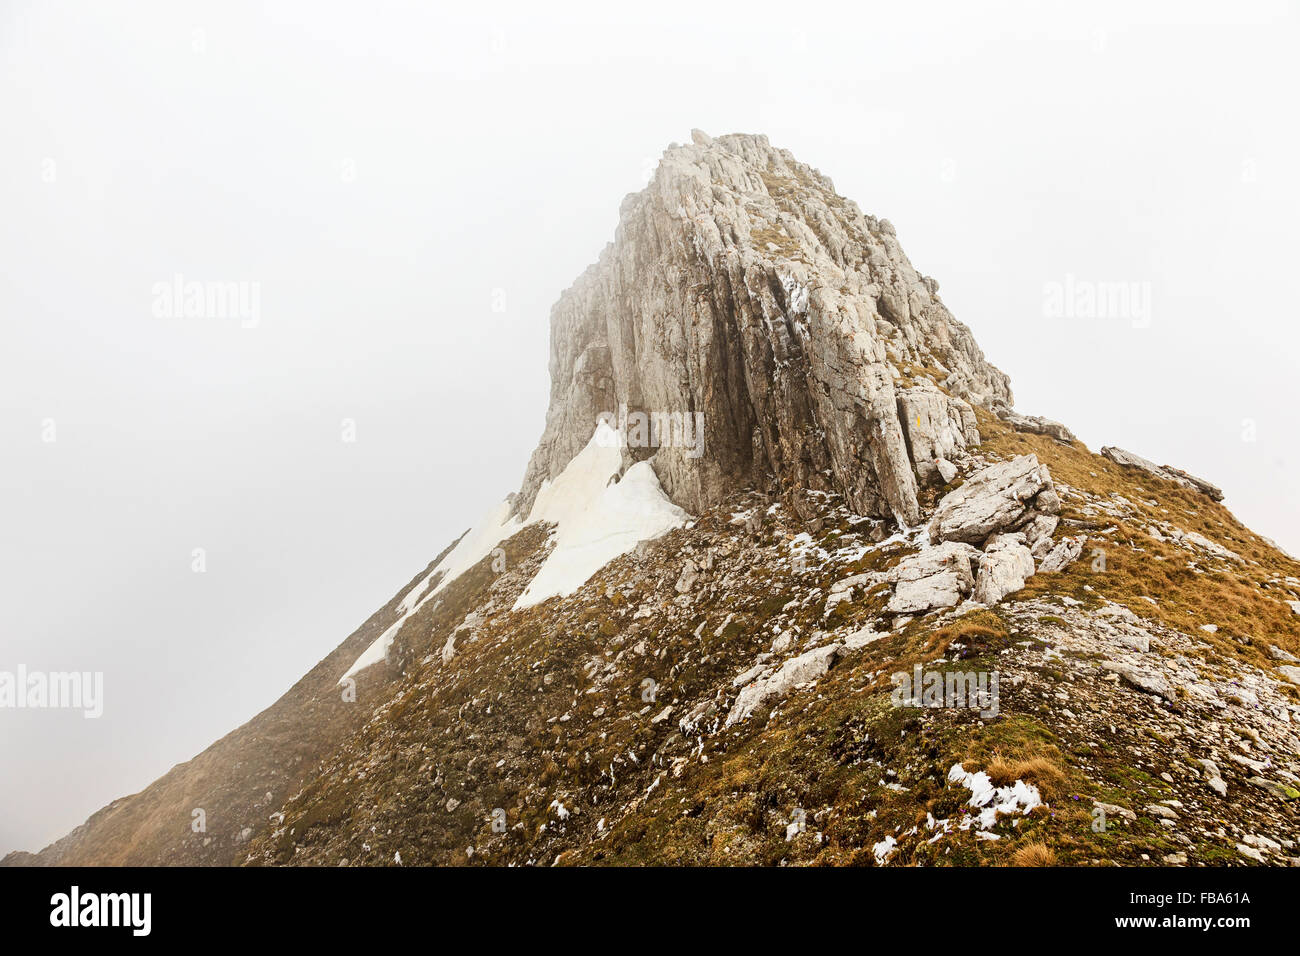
[[407, 191]]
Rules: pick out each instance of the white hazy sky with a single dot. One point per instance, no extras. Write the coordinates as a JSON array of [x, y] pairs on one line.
[[381, 170]]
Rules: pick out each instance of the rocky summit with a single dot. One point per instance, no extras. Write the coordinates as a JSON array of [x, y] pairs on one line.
[[741, 287], [789, 580]]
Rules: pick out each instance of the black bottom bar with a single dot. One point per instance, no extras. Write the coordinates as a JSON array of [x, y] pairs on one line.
[[596, 907]]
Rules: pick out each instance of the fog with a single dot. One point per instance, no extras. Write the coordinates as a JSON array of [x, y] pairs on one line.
[[201, 507]]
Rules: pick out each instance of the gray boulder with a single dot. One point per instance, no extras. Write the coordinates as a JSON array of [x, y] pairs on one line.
[[1065, 552], [1003, 568], [1129, 460], [1035, 424], [1001, 497], [935, 577], [798, 670], [1145, 680]]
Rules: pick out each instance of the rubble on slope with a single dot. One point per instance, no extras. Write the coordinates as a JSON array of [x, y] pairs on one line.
[[1003, 568]]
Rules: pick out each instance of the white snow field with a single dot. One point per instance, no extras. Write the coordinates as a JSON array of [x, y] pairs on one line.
[[597, 517]]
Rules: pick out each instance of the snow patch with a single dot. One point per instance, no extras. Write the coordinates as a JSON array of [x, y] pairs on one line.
[[1018, 798], [884, 849], [597, 518], [596, 525]]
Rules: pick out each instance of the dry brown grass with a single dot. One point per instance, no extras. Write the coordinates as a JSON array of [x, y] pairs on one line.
[[1249, 610], [1034, 854], [1039, 770], [1080, 468], [977, 631]]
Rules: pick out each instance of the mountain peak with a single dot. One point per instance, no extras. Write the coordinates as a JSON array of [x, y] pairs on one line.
[[694, 636], [741, 292]]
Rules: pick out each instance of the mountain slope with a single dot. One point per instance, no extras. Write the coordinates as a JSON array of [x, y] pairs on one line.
[[779, 484], [545, 722], [237, 782]]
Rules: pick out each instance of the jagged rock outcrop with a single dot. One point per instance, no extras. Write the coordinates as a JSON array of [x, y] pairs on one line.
[[938, 429], [1036, 424], [743, 297], [1199, 484], [1126, 458], [1038, 534], [1066, 551]]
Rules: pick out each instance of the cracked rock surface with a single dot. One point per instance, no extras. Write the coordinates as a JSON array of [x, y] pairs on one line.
[[741, 287]]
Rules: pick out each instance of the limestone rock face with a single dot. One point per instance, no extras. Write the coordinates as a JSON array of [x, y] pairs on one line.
[[1001, 497], [1062, 555], [938, 428], [1200, 484], [1038, 533], [1033, 423], [743, 295]]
